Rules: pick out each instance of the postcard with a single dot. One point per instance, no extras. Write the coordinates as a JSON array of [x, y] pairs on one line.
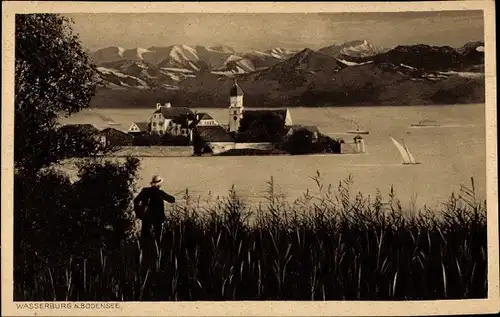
[[227, 159]]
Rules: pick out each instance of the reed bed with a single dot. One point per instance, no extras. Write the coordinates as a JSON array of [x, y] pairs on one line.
[[328, 246]]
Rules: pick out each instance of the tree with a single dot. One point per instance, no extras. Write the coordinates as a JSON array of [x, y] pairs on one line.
[[200, 146], [107, 216], [174, 140], [304, 142], [301, 142], [53, 76], [58, 223], [327, 144], [265, 127]]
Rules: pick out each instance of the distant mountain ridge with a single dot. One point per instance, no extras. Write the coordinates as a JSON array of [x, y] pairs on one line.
[[355, 72], [357, 48], [431, 57]]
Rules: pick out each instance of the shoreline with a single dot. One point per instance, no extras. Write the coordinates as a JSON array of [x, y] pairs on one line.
[[312, 107], [187, 151]]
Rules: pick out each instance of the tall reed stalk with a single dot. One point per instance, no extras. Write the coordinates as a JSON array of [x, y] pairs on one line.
[[327, 245]]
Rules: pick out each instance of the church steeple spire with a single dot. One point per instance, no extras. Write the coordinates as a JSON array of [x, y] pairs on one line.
[[235, 106], [236, 90]]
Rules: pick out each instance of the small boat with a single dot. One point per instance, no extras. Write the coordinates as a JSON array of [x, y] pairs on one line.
[[408, 158], [426, 123], [358, 131]]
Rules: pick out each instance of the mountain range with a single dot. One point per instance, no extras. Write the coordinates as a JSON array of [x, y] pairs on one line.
[[352, 73]]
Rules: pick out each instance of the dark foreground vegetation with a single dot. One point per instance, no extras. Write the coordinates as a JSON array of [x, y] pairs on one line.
[[324, 246]]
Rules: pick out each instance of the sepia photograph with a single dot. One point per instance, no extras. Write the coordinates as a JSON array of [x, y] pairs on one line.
[[249, 156]]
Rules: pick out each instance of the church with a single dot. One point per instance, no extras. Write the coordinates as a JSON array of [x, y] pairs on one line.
[[237, 111], [221, 138]]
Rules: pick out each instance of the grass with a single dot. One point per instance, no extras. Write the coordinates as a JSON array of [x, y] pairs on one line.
[[330, 245]]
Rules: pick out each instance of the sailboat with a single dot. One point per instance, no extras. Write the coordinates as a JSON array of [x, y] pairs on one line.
[[408, 158]]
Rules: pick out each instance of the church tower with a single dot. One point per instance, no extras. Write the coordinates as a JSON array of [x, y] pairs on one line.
[[235, 107]]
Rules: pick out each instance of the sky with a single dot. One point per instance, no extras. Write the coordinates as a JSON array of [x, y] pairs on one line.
[[249, 31]]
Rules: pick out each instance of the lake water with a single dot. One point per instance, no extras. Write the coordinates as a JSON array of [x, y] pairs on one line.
[[450, 154]]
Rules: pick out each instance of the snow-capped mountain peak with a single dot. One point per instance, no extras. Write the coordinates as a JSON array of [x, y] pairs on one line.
[[111, 53], [179, 54], [176, 65], [190, 52], [121, 50], [358, 48], [135, 53], [281, 53], [260, 53], [222, 49]]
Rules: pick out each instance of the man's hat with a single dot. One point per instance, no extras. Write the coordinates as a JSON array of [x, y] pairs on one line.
[[157, 180]]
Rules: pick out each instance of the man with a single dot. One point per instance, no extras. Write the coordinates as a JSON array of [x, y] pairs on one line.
[[150, 209]]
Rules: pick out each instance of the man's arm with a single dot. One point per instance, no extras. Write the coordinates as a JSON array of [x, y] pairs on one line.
[[139, 198], [167, 197]]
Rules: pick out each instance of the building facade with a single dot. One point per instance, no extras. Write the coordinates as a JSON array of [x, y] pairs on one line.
[[177, 121]]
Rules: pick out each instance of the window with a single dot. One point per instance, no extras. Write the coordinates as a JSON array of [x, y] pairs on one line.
[[235, 111], [154, 124]]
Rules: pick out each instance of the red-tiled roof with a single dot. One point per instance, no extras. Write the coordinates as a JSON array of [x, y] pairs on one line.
[[143, 126], [112, 130], [183, 121], [205, 116]]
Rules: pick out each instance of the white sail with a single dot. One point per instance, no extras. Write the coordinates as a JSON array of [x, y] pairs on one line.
[[405, 154], [412, 159]]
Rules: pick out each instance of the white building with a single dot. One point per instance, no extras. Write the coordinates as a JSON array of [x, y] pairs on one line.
[[235, 107], [167, 120]]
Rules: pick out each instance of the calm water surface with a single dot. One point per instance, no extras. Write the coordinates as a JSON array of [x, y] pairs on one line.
[[450, 154]]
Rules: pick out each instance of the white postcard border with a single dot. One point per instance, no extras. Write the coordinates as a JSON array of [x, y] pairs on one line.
[[256, 308]]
